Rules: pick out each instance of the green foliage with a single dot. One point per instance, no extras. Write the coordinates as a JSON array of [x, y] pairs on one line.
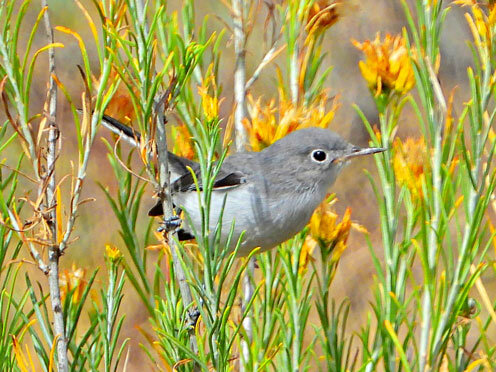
[[429, 310]]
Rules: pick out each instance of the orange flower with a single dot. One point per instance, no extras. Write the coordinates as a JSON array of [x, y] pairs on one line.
[[270, 123], [323, 14], [72, 281], [387, 66], [325, 229], [409, 164]]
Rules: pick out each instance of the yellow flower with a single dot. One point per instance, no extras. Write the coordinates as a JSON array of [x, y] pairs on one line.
[[270, 123], [387, 66], [210, 103], [409, 164], [72, 281], [183, 145], [481, 23], [325, 229], [306, 254], [112, 252], [323, 223], [490, 3]]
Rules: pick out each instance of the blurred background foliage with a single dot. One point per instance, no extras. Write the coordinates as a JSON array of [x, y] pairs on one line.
[[329, 82]]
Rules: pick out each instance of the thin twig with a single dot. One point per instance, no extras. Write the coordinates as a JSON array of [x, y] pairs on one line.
[[33, 251], [166, 198], [240, 87], [239, 73], [53, 250], [76, 192], [269, 57]]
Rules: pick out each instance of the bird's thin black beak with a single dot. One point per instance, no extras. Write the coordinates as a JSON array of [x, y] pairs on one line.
[[360, 152]]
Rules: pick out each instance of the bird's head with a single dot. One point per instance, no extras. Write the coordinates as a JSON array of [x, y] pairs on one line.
[[315, 154]]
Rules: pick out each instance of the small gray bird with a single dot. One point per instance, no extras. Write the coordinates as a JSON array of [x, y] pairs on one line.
[[270, 194]]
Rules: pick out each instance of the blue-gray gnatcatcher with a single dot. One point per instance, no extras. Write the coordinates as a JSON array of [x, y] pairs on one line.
[[270, 194]]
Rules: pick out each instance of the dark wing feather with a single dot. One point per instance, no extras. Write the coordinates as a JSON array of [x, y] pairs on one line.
[[186, 184]]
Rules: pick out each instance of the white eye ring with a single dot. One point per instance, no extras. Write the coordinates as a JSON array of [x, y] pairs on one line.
[[319, 156]]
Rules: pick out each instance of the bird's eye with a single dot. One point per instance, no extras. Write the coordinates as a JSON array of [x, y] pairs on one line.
[[319, 156]]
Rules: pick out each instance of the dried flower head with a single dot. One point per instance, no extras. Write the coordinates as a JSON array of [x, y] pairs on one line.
[[387, 66], [72, 281], [409, 164], [270, 123]]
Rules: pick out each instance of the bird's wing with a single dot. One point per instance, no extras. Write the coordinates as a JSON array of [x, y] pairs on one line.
[[182, 179], [223, 180]]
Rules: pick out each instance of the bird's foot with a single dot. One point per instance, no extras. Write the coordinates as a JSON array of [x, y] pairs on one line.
[[170, 224], [193, 315]]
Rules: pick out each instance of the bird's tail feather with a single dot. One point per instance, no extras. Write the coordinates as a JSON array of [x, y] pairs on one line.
[[178, 165], [127, 133]]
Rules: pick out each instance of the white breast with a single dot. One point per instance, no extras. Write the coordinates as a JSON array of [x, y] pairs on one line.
[[266, 223]]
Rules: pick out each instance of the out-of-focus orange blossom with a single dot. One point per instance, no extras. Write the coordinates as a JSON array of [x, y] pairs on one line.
[[270, 122], [323, 14], [121, 106], [387, 66], [183, 144], [409, 161], [72, 280]]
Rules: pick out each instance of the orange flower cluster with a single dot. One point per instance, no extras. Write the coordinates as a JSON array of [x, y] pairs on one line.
[[387, 66], [72, 281], [327, 231], [409, 164], [270, 123]]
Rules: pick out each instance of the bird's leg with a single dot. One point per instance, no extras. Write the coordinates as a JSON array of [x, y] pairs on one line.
[[170, 224], [193, 315]]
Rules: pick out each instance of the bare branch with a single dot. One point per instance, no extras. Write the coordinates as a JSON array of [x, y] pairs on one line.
[[238, 7], [53, 250], [166, 198], [239, 73]]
